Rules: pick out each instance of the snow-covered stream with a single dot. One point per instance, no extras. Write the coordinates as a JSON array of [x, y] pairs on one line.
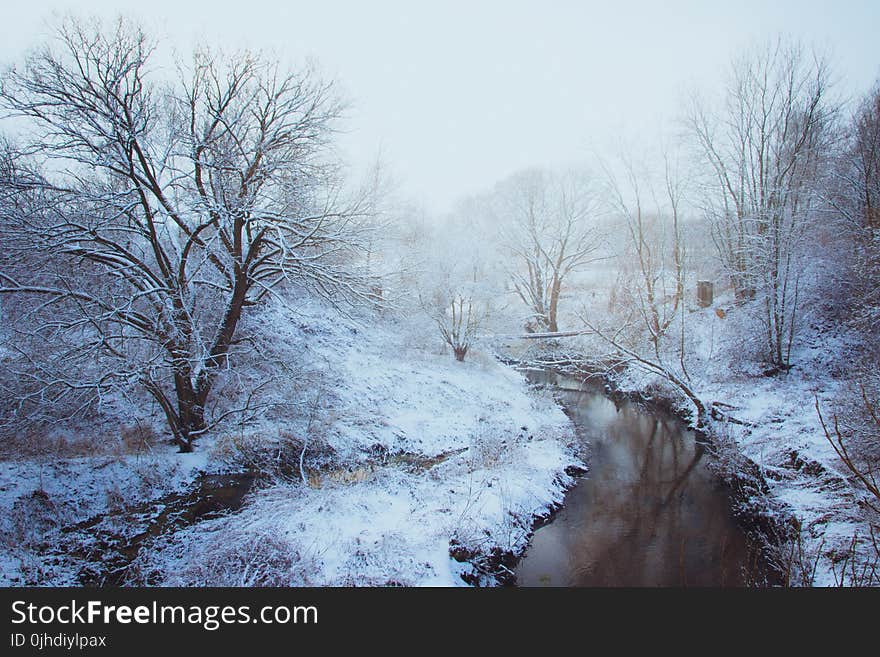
[[433, 470]]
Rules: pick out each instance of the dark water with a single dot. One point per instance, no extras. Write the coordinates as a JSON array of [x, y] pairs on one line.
[[648, 513]]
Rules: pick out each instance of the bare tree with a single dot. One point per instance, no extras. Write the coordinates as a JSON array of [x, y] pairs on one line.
[[459, 315], [455, 292], [864, 154], [655, 246], [766, 145], [641, 334], [144, 217], [548, 225]]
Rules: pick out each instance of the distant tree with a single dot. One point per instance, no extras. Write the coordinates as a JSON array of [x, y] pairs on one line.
[[768, 145], [548, 224], [142, 218], [456, 293], [653, 267], [458, 314], [655, 247]]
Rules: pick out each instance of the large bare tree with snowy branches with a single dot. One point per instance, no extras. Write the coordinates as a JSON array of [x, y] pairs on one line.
[[142, 217]]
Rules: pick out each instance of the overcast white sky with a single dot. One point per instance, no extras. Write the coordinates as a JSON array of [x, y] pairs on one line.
[[459, 94]]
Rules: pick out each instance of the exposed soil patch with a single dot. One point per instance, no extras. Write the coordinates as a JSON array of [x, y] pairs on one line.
[[109, 543]]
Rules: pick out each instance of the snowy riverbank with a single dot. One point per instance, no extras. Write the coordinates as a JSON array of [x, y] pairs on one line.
[[419, 453], [773, 423]]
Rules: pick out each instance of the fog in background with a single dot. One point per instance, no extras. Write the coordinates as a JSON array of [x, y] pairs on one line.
[[457, 95]]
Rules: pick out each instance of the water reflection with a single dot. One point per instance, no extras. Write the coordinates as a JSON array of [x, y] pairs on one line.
[[647, 514]]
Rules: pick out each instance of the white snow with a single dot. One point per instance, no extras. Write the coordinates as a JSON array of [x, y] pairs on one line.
[[393, 523], [469, 455], [428, 454]]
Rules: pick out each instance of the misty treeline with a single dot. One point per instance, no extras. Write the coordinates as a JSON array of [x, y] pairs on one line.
[[151, 213], [766, 188]]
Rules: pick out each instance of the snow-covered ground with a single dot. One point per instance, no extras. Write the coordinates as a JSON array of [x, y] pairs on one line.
[[785, 438], [422, 454], [412, 456]]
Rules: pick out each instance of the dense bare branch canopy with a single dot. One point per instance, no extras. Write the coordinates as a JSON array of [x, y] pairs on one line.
[[147, 215], [854, 194]]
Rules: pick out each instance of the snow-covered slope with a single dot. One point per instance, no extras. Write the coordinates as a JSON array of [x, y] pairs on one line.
[[425, 453], [468, 455]]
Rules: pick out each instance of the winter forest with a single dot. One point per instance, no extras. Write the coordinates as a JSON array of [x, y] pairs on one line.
[[229, 358]]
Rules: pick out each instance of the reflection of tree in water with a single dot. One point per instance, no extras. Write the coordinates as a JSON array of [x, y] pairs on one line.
[[648, 514]]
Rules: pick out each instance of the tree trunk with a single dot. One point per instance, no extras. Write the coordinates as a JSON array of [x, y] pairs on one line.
[[460, 353], [192, 398], [552, 326], [555, 289], [186, 418], [192, 424]]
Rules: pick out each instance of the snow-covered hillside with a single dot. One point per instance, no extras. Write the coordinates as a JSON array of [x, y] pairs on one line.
[[418, 454]]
